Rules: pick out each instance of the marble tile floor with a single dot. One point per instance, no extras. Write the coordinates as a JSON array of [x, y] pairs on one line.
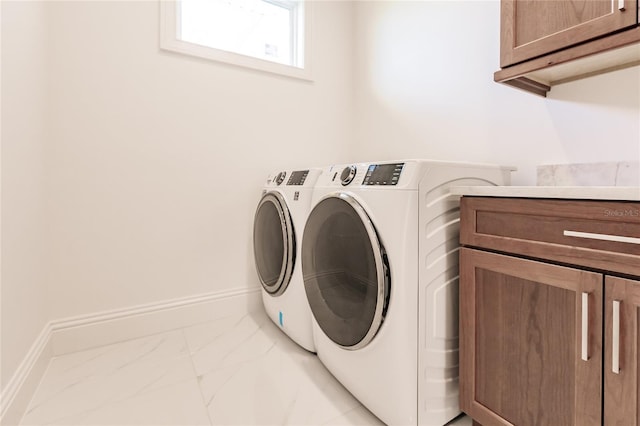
[[238, 370]]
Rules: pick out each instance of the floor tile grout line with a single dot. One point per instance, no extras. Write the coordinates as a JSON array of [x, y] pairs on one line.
[[126, 340], [195, 373], [218, 336]]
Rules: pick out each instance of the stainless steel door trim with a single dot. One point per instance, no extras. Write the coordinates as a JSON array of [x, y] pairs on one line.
[[288, 239], [381, 268]]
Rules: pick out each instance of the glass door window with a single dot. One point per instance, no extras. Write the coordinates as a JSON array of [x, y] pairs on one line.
[[346, 275], [273, 243]]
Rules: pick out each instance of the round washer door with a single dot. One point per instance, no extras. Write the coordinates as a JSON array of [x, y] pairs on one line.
[[345, 270], [273, 243]]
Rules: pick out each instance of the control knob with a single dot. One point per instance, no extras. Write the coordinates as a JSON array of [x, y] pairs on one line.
[[280, 177], [347, 175]]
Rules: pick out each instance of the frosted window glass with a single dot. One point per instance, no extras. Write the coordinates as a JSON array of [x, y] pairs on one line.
[[258, 28]]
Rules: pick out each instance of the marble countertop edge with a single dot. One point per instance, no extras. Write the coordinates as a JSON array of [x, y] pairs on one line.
[[613, 193]]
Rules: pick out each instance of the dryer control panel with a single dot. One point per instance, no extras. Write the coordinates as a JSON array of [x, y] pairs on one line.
[[298, 177], [383, 174]]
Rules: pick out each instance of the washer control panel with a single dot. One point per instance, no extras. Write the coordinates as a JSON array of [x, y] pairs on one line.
[[298, 177], [383, 174]]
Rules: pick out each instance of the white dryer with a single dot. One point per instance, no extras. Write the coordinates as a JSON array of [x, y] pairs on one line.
[[277, 235], [380, 268]]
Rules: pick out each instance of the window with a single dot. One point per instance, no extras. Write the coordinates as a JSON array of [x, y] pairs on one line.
[[269, 35]]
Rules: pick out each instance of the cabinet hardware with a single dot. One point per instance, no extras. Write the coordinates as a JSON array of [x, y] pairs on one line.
[[603, 237], [585, 326], [615, 352], [621, 5]]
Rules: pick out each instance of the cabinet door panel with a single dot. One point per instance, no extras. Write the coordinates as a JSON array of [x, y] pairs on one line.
[[531, 28], [621, 401], [521, 331]]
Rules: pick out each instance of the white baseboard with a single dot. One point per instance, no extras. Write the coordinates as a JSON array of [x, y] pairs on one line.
[[103, 328], [74, 334], [18, 392]]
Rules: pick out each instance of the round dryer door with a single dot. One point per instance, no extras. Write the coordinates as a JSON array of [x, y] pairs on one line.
[[345, 270], [273, 243]]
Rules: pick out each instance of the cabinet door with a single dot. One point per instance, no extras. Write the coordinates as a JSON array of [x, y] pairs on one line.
[[622, 308], [530, 342], [531, 28]]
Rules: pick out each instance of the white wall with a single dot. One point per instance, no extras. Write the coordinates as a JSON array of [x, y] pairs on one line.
[[158, 159], [425, 89], [24, 136]]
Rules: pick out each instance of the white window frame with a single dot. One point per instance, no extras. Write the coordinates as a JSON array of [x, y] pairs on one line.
[[169, 41]]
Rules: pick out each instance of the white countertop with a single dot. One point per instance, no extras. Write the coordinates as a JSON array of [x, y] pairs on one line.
[[618, 193]]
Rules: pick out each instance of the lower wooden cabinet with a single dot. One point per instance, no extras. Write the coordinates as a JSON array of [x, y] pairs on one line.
[[542, 344], [550, 312], [621, 379], [524, 357]]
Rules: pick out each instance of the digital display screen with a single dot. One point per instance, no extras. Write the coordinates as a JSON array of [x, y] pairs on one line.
[[298, 177], [383, 174]]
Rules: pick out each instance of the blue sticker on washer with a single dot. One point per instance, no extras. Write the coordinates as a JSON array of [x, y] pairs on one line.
[[280, 318]]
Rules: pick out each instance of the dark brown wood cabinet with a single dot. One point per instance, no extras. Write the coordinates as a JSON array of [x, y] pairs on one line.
[[621, 375], [544, 320], [522, 339], [547, 42], [533, 28]]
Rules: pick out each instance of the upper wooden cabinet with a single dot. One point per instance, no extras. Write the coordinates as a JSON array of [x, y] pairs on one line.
[[547, 42], [533, 28]]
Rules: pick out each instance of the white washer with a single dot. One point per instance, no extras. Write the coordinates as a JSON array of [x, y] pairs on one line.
[[380, 267], [277, 236]]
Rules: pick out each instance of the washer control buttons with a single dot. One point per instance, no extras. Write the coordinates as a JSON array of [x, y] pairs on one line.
[[383, 174], [347, 175]]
